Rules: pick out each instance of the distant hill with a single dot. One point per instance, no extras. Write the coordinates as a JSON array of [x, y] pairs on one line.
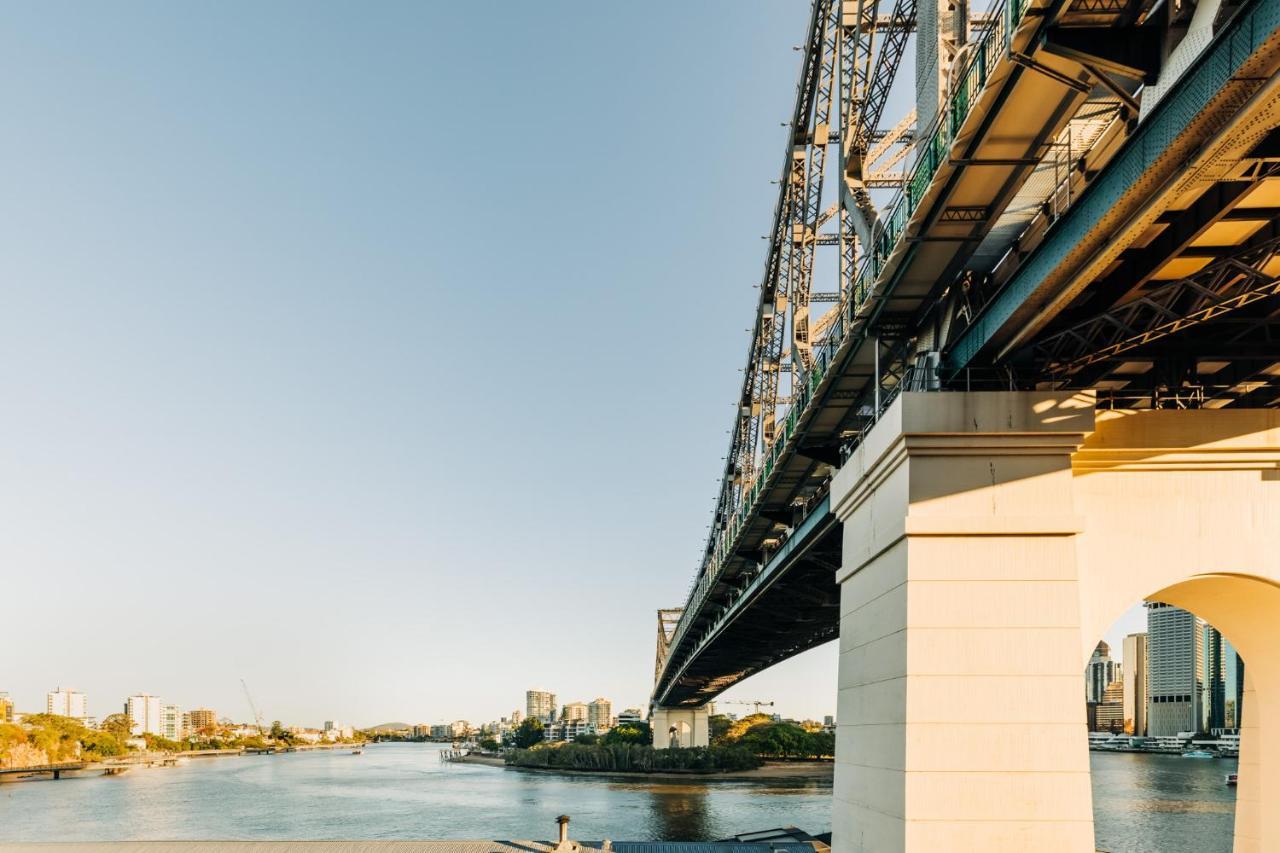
[[389, 727]]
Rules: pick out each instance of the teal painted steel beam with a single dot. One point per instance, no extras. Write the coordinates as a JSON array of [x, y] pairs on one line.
[[1230, 49]]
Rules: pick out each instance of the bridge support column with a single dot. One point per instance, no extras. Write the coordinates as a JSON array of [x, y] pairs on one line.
[[680, 727], [961, 710]]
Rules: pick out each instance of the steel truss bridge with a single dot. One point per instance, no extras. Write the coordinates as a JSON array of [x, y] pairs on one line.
[[1085, 195]]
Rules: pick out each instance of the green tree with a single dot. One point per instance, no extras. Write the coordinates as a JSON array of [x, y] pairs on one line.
[[528, 733], [11, 736], [718, 725], [635, 758], [587, 739], [102, 745], [490, 745], [59, 737], [630, 733], [119, 725], [156, 743], [740, 727], [822, 744], [279, 733]]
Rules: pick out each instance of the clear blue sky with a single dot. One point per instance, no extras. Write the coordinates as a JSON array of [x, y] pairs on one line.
[[381, 355]]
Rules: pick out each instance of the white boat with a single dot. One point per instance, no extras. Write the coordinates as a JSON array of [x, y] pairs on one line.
[[1232, 779], [1198, 753]]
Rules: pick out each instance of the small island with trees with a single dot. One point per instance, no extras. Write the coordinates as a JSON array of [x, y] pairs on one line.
[[736, 746]]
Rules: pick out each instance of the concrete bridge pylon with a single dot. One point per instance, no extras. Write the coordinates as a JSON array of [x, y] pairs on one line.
[[680, 727], [989, 540]]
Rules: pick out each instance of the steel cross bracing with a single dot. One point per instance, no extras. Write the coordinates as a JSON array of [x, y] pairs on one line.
[[1233, 282]]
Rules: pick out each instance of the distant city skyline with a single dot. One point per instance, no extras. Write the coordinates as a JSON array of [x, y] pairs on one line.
[[148, 711]]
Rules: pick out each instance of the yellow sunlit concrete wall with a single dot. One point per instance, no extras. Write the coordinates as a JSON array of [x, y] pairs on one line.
[[990, 540]]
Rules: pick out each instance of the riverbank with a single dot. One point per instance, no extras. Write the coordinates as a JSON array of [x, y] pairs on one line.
[[472, 758], [146, 761], [810, 771]]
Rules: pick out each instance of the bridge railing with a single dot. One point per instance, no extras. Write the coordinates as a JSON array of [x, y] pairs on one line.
[[992, 44]]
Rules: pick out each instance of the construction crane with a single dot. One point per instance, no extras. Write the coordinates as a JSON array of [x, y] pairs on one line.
[[257, 718], [756, 702]]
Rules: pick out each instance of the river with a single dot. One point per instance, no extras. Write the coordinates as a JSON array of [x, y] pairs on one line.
[[1142, 802]]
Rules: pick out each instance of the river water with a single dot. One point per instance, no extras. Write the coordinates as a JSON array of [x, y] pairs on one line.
[[1142, 802]]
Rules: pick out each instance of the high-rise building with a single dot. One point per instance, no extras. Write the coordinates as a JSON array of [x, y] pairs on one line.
[[630, 715], [1109, 713], [66, 703], [6, 708], [1223, 684], [540, 704], [1133, 670], [516, 717], [600, 713], [1213, 699], [201, 718], [1233, 685], [574, 711], [1099, 673], [143, 711], [171, 722], [1176, 670]]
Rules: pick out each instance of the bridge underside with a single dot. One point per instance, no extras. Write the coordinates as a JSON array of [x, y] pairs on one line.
[[790, 606], [1157, 287]]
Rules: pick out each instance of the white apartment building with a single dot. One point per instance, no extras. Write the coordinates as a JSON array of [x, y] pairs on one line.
[[600, 713], [574, 711], [66, 703], [144, 713], [442, 731], [567, 730], [540, 704], [171, 722]]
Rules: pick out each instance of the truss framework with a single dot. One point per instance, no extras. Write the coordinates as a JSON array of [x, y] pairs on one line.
[[667, 621], [841, 96], [1229, 284]]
